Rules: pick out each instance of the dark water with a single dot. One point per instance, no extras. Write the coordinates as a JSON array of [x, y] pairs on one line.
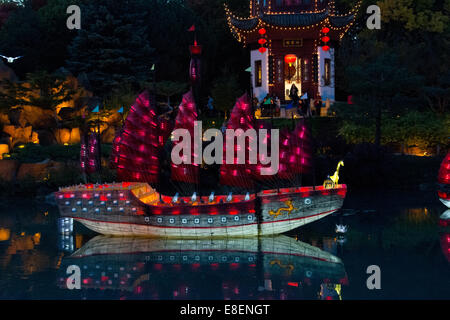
[[397, 231]]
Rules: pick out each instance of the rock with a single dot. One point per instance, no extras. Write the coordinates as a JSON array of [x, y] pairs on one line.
[[19, 135], [46, 137], [66, 113], [5, 138], [8, 169], [113, 119], [4, 148], [75, 136], [108, 135], [38, 118], [6, 73], [4, 119], [32, 116], [67, 136], [37, 171], [62, 135], [16, 117]]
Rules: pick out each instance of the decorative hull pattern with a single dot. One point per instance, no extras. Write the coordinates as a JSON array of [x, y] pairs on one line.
[[135, 209], [137, 265]]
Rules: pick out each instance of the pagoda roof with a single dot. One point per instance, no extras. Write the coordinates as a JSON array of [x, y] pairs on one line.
[[292, 20]]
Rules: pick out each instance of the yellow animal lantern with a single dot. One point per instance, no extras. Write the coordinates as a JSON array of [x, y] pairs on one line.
[[333, 181]]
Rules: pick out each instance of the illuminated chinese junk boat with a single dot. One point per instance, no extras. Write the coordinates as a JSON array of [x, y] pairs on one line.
[[134, 208], [444, 181], [244, 268]]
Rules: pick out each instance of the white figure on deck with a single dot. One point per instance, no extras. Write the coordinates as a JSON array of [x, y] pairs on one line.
[[340, 228]]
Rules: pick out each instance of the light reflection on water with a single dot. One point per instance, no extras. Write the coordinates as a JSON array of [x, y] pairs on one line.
[[398, 232]]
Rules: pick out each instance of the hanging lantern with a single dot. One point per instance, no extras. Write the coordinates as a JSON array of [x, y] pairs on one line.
[[262, 41], [290, 59], [325, 30], [262, 31], [325, 48], [326, 39], [262, 49], [195, 49]]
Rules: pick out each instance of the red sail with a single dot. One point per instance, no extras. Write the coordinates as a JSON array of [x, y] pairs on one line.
[[287, 140], [187, 114], [444, 172], [89, 154], [239, 175], [135, 150], [301, 154]]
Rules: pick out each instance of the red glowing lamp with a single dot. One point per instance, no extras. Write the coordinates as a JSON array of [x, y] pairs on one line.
[[196, 50], [326, 39], [290, 59], [325, 30], [262, 41], [325, 48], [262, 31], [262, 50]]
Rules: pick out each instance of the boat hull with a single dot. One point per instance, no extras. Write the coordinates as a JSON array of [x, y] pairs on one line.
[[268, 214], [249, 230]]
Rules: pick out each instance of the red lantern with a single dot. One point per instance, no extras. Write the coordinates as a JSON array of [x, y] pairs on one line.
[[326, 39], [196, 50], [325, 30], [262, 41], [290, 59], [262, 49], [262, 31], [325, 48]]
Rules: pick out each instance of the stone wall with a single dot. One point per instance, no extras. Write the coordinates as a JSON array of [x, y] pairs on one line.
[[12, 170]]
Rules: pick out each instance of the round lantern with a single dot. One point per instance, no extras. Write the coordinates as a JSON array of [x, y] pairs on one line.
[[325, 30], [262, 31], [326, 39], [290, 59], [262, 49], [262, 41], [325, 48]]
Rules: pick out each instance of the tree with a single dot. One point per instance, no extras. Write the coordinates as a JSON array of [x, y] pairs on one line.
[[40, 89], [112, 48], [225, 92], [379, 84], [438, 95], [170, 88], [21, 36], [6, 8], [56, 37]]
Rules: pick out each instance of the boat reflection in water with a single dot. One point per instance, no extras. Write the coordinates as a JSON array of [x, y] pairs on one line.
[[265, 268], [444, 222]]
